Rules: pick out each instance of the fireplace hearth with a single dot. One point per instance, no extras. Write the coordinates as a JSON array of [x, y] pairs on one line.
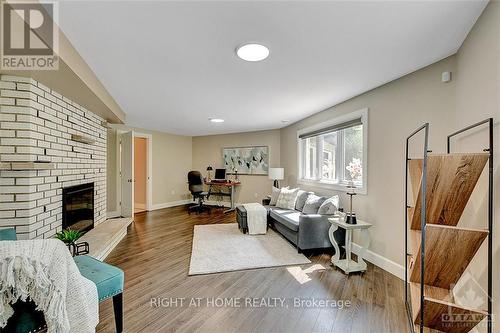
[[78, 207]]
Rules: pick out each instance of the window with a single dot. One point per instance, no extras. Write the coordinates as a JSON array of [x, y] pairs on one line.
[[334, 154]]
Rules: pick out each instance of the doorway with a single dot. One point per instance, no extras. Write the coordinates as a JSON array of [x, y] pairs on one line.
[[135, 173], [140, 174]]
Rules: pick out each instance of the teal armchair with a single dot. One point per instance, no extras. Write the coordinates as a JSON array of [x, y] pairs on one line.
[[108, 279]]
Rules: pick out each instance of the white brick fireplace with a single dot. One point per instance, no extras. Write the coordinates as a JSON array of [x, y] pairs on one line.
[[39, 125]]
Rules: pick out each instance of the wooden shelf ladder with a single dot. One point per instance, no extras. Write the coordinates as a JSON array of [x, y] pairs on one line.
[[437, 250]]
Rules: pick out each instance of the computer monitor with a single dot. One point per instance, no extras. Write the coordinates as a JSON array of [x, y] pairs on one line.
[[220, 174]]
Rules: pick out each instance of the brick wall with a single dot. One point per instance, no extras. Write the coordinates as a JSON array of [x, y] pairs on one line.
[[36, 124]]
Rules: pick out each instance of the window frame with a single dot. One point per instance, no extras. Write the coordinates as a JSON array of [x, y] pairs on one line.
[[328, 184]]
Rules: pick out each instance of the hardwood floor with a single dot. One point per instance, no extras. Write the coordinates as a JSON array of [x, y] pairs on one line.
[[155, 257]]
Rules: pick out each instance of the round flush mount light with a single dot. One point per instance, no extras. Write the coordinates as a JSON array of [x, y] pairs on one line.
[[252, 52], [216, 120]]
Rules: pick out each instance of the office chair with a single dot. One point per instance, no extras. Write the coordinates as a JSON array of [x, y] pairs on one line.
[[196, 188]]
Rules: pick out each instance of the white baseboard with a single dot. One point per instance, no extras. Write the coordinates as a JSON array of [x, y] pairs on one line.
[[170, 204], [382, 262], [113, 214]]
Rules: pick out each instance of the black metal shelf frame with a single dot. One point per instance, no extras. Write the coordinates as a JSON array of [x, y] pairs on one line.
[[425, 128], [423, 221], [488, 121]]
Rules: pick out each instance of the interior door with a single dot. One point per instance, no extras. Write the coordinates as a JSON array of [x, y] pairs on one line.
[[127, 173]]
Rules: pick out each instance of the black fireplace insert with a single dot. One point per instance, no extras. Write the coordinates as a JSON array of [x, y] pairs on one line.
[[78, 207]]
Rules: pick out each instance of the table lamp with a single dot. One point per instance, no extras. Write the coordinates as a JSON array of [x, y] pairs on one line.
[[351, 216], [276, 174], [209, 173]]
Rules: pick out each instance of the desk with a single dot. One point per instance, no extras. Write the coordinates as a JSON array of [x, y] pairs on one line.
[[348, 265], [230, 185]]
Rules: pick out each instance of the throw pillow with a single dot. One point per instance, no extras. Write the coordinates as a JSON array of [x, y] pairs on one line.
[[329, 206], [313, 203], [301, 199], [274, 195], [287, 198]]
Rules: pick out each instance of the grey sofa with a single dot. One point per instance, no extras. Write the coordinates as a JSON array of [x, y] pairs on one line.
[[305, 231]]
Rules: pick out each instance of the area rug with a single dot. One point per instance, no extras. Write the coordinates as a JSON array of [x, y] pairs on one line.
[[223, 248]]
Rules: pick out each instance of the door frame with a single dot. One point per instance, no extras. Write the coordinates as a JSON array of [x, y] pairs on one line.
[[149, 167]]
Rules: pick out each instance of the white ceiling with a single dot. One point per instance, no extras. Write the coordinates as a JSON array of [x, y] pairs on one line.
[[172, 65]]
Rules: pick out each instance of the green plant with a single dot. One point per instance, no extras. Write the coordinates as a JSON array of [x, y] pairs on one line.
[[69, 236]]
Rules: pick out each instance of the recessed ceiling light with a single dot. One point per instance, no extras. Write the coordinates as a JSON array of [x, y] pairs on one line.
[[252, 52], [216, 120]]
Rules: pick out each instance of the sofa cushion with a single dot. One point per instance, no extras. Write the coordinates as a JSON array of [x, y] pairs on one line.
[[287, 217], [301, 199], [275, 192], [329, 206], [287, 198], [313, 203]]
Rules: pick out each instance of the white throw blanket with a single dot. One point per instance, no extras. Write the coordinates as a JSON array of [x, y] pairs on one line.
[[44, 271], [256, 218]]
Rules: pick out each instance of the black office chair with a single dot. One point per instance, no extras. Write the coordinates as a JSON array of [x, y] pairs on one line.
[[196, 188]]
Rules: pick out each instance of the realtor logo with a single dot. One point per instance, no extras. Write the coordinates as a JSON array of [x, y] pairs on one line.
[[29, 35]]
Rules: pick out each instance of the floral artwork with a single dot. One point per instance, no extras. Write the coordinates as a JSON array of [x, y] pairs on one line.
[[246, 160]]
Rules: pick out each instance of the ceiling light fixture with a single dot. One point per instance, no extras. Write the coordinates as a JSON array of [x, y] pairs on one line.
[[216, 120], [284, 121], [252, 52]]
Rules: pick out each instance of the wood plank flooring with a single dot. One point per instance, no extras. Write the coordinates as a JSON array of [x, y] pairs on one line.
[[155, 257]]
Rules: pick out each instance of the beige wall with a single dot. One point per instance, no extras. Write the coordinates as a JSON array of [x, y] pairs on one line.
[[207, 150], [395, 110], [140, 172], [478, 98], [172, 160]]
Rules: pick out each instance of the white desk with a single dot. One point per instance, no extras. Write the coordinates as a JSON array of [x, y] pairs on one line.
[[348, 265]]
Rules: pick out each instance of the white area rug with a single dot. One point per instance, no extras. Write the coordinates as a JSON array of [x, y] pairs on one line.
[[223, 248]]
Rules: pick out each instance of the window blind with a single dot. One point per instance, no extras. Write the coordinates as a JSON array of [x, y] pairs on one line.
[[333, 128]]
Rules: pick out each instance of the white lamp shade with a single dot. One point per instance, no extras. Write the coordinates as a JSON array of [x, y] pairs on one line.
[[277, 173]]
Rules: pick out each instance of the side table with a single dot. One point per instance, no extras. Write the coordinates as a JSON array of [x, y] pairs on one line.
[[348, 265]]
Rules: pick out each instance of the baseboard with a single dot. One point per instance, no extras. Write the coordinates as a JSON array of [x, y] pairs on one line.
[[382, 262], [170, 204], [140, 206], [113, 214]]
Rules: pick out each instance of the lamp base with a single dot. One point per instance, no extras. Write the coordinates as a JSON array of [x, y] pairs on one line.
[[351, 218], [276, 183]]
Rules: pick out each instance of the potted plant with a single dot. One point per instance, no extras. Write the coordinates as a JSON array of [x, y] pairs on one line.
[[69, 237]]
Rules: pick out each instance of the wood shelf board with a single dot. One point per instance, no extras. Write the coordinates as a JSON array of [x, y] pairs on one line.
[[451, 178], [415, 174], [426, 330], [414, 240], [438, 303], [448, 252], [430, 292]]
